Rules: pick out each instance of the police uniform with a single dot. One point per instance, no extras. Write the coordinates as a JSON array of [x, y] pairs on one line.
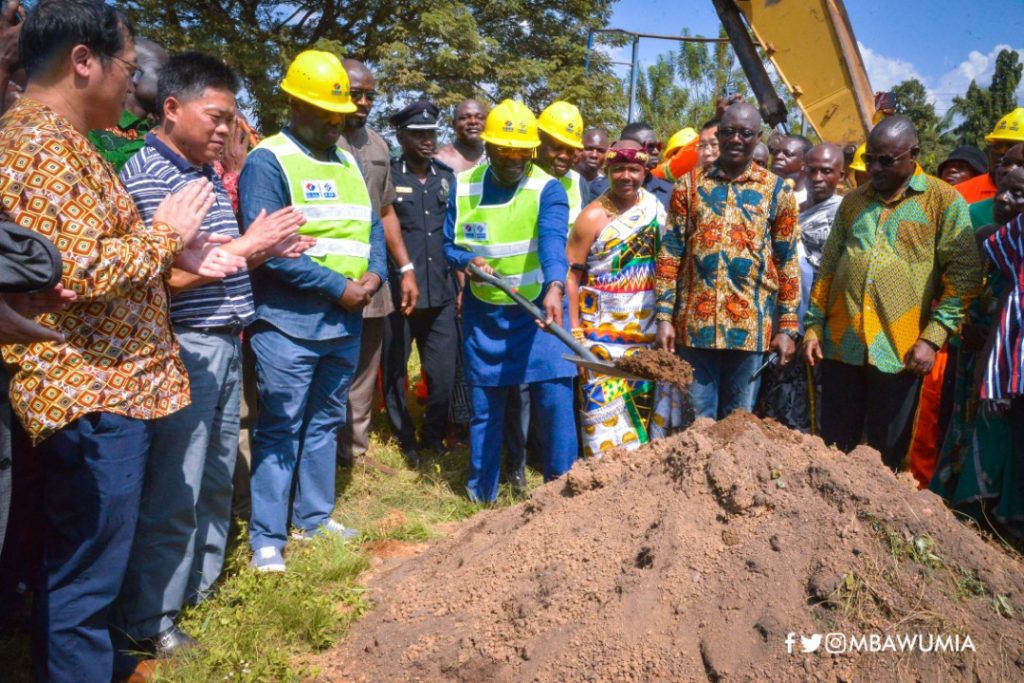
[[420, 207]]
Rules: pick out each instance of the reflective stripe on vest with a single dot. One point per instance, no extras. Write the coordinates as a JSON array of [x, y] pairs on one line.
[[505, 235], [571, 182], [333, 198]]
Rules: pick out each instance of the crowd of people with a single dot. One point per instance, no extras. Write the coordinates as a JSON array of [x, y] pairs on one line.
[[161, 260]]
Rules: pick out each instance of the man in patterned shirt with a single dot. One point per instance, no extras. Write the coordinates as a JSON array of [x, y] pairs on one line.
[[898, 243], [88, 402], [728, 272]]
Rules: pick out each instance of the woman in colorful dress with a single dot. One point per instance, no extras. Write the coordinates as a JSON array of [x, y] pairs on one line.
[[610, 289]]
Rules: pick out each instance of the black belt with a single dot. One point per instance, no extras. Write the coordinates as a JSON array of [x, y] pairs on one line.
[[234, 329]]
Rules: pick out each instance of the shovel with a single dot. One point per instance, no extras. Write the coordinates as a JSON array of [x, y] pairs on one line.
[[583, 357]]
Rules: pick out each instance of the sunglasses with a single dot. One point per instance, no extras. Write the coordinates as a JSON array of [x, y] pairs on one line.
[[652, 147], [369, 95], [745, 134], [885, 160], [134, 72]]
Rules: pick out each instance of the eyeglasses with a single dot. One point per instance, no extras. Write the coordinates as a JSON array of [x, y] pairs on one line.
[[653, 147], [134, 72], [710, 144], [885, 160], [745, 134], [369, 95]]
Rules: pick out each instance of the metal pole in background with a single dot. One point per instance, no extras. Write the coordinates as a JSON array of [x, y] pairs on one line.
[[590, 48], [632, 79]]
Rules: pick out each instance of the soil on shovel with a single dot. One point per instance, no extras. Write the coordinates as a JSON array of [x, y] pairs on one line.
[[696, 558], [658, 365]]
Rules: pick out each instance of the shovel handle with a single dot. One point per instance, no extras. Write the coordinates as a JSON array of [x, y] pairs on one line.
[[532, 309]]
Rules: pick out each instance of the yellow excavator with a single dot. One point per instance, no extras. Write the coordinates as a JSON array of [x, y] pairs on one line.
[[812, 46]]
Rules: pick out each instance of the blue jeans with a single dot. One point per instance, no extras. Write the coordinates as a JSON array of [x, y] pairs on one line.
[[303, 388], [92, 481], [186, 503], [556, 430], [721, 380]]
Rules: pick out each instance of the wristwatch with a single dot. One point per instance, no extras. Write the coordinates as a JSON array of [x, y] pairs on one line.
[[792, 334], [407, 267]]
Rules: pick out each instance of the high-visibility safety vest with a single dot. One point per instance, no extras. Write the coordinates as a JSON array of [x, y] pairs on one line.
[[333, 198], [504, 234], [571, 182]]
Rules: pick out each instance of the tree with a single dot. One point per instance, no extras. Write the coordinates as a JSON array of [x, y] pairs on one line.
[[981, 108], [445, 49], [912, 102]]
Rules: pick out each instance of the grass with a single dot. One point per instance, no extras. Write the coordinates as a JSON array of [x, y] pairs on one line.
[[261, 627]]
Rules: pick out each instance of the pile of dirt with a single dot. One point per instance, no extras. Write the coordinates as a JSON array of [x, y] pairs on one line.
[[658, 365], [694, 558]]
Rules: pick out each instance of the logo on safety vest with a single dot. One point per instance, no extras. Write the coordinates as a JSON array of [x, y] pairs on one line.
[[328, 190], [311, 189], [475, 231]]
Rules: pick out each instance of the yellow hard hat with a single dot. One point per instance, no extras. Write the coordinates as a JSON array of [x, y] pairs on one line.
[[680, 138], [858, 159], [1009, 129], [319, 79], [511, 124], [563, 122]]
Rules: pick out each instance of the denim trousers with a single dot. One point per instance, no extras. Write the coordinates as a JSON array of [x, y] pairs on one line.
[[556, 432], [721, 380], [186, 502], [303, 389], [92, 474]]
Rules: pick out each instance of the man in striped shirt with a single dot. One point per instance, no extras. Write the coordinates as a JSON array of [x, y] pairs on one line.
[[1004, 372], [186, 504]]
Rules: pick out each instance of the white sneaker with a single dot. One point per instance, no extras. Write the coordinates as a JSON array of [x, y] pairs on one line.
[[268, 559], [329, 527]]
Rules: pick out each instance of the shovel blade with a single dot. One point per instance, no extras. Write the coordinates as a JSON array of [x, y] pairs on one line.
[[609, 369]]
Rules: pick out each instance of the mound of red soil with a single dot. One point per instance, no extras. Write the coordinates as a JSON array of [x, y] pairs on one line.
[[692, 559]]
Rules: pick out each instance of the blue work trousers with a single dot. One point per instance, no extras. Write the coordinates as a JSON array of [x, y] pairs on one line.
[[92, 473], [721, 380], [303, 390], [555, 429], [186, 504]]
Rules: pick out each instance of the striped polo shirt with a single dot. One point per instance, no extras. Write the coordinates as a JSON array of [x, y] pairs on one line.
[[153, 173], [1004, 371]]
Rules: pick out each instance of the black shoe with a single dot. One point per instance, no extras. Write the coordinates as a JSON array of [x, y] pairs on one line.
[[172, 642], [518, 480], [438, 447], [412, 456]]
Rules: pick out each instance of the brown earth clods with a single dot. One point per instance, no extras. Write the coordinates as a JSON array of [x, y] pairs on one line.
[[658, 365], [691, 559]]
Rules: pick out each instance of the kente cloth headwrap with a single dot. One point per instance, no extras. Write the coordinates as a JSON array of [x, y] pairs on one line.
[[626, 155]]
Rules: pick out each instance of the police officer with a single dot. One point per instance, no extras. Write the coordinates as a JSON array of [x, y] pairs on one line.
[[422, 186]]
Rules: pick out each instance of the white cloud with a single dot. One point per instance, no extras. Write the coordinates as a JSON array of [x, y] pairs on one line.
[[976, 67], [885, 72]]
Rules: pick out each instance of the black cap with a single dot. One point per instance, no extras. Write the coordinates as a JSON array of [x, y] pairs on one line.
[[420, 115], [970, 154]]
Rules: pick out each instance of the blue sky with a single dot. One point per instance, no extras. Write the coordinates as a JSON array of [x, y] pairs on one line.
[[943, 43]]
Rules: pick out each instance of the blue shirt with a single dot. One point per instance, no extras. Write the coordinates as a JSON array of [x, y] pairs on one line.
[[149, 176], [299, 296], [502, 345]]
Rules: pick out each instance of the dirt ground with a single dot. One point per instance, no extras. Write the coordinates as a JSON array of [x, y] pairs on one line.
[[692, 559]]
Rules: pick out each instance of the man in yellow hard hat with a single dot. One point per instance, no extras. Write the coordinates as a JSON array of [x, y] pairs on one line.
[[306, 337], [1007, 133], [508, 217], [560, 129]]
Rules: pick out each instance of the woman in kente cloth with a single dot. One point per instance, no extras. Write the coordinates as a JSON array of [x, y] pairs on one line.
[[610, 290], [976, 472]]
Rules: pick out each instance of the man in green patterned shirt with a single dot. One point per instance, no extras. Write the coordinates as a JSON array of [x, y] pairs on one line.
[[899, 243], [119, 144]]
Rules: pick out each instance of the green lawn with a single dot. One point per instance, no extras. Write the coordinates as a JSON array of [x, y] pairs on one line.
[[262, 627]]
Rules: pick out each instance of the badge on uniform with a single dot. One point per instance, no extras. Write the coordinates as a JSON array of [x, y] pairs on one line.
[[403, 189], [445, 189], [475, 231], [328, 190], [311, 190]]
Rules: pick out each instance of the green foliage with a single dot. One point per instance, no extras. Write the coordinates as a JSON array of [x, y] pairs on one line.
[[912, 102], [981, 108], [531, 49]]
